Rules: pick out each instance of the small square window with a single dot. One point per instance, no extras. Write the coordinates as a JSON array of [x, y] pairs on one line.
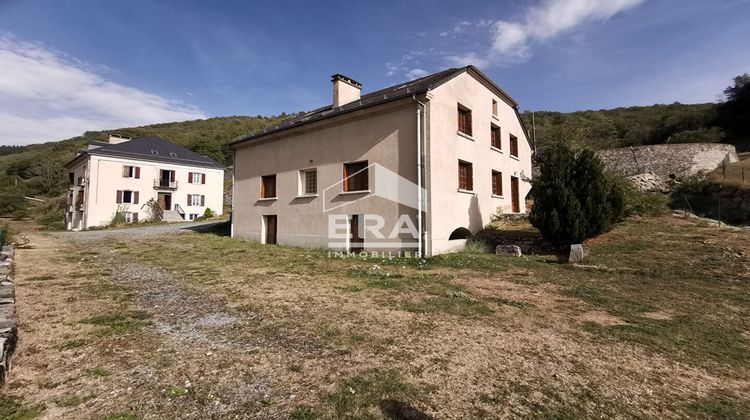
[[494, 107], [356, 176], [308, 182], [268, 186]]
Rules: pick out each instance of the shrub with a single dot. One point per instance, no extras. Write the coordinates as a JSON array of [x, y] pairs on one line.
[[51, 213], [699, 135], [574, 198], [638, 202], [694, 184], [208, 213]]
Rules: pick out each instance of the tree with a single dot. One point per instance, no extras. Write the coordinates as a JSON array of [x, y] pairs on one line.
[[574, 198], [734, 112]]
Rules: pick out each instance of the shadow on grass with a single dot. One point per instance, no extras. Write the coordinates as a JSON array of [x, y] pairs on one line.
[[222, 228]]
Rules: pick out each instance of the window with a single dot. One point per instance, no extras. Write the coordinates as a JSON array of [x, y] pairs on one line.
[[197, 178], [268, 186], [308, 179], [355, 176], [196, 200], [131, 171], [464, 120], [193, 216], [494, 107], [465, 176], [513, 145], [131, 217], [71, 178], [497, 183], [79, 200], [495, 137], [127, 197]]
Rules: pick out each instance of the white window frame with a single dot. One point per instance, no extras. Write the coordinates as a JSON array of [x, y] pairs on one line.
[[132, 197], [129, 217], [302, 190], [196, 177], [131, 172], [195, 200], [193, 216]]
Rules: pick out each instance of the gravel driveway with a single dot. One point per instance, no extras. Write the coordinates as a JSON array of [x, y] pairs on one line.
[[159, 229]]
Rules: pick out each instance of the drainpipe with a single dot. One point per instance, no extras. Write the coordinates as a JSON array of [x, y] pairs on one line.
[[420, 168]]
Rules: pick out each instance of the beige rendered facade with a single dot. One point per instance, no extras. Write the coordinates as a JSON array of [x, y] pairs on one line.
[[458, 169], [104, 184]]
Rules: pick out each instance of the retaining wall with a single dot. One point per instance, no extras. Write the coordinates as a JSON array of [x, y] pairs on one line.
[[669, 160]]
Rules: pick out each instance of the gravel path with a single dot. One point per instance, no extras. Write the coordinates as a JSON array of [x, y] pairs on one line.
[[159, 229]]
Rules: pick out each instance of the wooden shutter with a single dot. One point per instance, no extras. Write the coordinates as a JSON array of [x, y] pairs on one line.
[[190, 200], [203, 200], [171, 176], [203, 178], [135, 197], [138, 172], [119, 196]]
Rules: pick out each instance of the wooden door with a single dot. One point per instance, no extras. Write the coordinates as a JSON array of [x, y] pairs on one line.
[[515, 199], [356, 242], [160, 197], [167, 201], [270, 229]]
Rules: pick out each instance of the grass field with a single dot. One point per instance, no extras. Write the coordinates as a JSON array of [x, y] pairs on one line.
[[204, 326]]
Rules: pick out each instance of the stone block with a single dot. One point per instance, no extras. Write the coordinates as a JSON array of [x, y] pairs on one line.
[[576, 254], [512, 250]]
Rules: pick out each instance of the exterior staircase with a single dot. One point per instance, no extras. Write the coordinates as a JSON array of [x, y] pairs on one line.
[[171, 216]]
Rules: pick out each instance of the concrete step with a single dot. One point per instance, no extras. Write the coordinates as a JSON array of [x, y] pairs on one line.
[[171, 216]]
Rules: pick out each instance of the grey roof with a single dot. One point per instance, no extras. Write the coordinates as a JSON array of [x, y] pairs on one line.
[[392, 93], [151, 148]]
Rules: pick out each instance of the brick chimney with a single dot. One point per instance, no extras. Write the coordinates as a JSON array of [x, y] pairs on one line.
[[345, 89]]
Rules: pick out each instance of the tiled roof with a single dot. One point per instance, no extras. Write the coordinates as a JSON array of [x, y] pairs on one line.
[[152, 148], [388, 94]]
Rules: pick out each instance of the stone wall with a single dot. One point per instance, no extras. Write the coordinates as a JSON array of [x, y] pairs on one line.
[[8, 318], [669, 160]]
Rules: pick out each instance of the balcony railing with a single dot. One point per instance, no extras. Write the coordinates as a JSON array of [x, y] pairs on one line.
[[165, 184]]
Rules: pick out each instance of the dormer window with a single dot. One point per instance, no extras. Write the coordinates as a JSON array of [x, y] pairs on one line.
[[154, 152]]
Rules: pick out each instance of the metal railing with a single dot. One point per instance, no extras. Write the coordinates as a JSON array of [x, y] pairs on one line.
[[165, 183], [179, 210]]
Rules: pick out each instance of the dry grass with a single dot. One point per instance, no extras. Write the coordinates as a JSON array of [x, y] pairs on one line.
[[735, 174], [198, 325]]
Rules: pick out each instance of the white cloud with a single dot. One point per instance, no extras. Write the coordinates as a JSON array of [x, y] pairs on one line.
[[45, 95], [512, 40], [416, 73]]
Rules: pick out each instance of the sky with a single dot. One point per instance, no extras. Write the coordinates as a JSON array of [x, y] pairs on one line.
[[68, 66]]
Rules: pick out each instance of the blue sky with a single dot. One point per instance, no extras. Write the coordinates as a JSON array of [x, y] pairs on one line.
[[67, 66]]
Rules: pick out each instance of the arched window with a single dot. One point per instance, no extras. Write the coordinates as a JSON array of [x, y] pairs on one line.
[[460, 233]]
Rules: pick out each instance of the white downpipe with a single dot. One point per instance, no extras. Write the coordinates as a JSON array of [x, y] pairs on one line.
[[420, 230]]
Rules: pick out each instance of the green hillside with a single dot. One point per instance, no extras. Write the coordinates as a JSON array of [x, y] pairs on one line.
[[602, 129]]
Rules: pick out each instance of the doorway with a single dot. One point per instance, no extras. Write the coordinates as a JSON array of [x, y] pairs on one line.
[[356, 241], [166, 178], [515, 201], [269, 223], [165, 200]]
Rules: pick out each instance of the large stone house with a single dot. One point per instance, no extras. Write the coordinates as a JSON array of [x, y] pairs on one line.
[[123, 175], [416, 167]]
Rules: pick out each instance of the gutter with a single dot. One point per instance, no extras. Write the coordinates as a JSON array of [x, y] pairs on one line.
[[420, 168]]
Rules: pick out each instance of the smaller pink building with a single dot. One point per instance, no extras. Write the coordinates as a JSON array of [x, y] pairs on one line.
[[124, 175]]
